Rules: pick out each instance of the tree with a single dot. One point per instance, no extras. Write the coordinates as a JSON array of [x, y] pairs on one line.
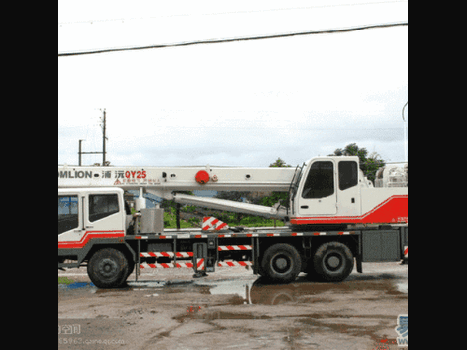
[[231, 195], [253, 197], [351, 150], [279, 163], [170, 205], [269, 201], [369, 164]]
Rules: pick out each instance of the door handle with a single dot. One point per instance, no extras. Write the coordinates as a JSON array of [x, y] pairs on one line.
[[304, 207], [89, 226]]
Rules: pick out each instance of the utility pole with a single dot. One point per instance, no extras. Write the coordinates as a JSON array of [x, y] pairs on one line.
[[103, 139], [79, 153]]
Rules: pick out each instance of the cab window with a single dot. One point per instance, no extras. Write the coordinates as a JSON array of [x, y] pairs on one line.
[[348, 174], [320, 180], [67, 213], [102, 205]]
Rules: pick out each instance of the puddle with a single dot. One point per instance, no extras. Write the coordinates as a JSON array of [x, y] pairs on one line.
[[305, 291], [200, 314], [249, 291], [403, 287], [238, 289], [147, 284]]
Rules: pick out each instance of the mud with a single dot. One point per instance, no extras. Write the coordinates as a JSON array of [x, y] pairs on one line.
[[233, 309]]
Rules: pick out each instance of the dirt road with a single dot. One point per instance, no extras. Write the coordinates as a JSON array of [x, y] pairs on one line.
[[233, 309]]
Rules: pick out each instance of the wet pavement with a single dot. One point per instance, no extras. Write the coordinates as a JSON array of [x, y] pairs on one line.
[[233, 309]]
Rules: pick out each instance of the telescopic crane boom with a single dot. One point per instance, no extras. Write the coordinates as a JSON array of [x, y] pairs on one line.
[[164, 181], [324, 191]]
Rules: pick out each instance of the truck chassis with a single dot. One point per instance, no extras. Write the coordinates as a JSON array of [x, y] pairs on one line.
[[278, 255]]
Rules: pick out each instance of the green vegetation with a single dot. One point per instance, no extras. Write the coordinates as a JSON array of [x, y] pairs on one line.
[[64, 280], [232, 219], [369, 164], [170, 221], [252, 221]]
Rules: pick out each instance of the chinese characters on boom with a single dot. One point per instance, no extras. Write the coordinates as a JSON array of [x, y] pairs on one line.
[[402, 330], [120, 176]]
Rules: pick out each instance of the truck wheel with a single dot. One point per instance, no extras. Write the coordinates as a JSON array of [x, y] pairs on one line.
[[108, 268], [333, 261], [281, 263]]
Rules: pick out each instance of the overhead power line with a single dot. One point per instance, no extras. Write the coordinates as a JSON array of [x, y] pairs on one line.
[[226, 40]]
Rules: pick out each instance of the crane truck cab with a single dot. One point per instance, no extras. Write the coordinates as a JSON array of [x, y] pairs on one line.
[[334, 191], [87, 213]]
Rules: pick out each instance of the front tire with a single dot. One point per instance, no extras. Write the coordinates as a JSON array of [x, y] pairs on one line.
[[281, 263], [108, 268]]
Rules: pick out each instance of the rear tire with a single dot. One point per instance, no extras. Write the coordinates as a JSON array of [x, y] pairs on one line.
[[108, 268], [281, 263], [333, 262]]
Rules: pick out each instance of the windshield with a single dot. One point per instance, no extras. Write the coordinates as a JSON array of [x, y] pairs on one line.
[[294, 187]]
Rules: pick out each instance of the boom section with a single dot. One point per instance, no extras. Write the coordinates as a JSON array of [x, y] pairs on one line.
[[178, 178]]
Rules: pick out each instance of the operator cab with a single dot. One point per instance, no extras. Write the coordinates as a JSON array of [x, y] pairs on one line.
[[82, 211], [333, 191], [329, 187]]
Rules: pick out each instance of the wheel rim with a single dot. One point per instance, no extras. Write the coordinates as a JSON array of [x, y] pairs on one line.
[[333, 261], [281, 263], [108, 268]]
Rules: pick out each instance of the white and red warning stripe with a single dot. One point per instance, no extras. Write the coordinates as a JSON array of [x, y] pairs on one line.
[[406, 252], [166, 255], [199, 264], [233, 263], [210, 222], [234, 247], [340, 233], [165, 266]]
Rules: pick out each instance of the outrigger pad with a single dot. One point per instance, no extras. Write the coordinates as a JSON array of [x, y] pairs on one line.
[[200, 274]]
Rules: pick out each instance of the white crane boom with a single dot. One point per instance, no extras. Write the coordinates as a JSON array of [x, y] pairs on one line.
[[161, 181], [177, 178]]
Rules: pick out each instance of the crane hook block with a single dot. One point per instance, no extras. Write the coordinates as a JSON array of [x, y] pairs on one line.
[[202, 177]]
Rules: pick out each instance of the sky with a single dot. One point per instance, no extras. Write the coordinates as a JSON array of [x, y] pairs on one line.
[[242, 103]]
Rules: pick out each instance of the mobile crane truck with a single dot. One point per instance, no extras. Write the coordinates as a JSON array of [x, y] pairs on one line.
[[335, 219]]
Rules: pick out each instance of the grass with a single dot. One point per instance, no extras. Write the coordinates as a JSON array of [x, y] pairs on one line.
[[65, 280], [170, 221], [259, 222]]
